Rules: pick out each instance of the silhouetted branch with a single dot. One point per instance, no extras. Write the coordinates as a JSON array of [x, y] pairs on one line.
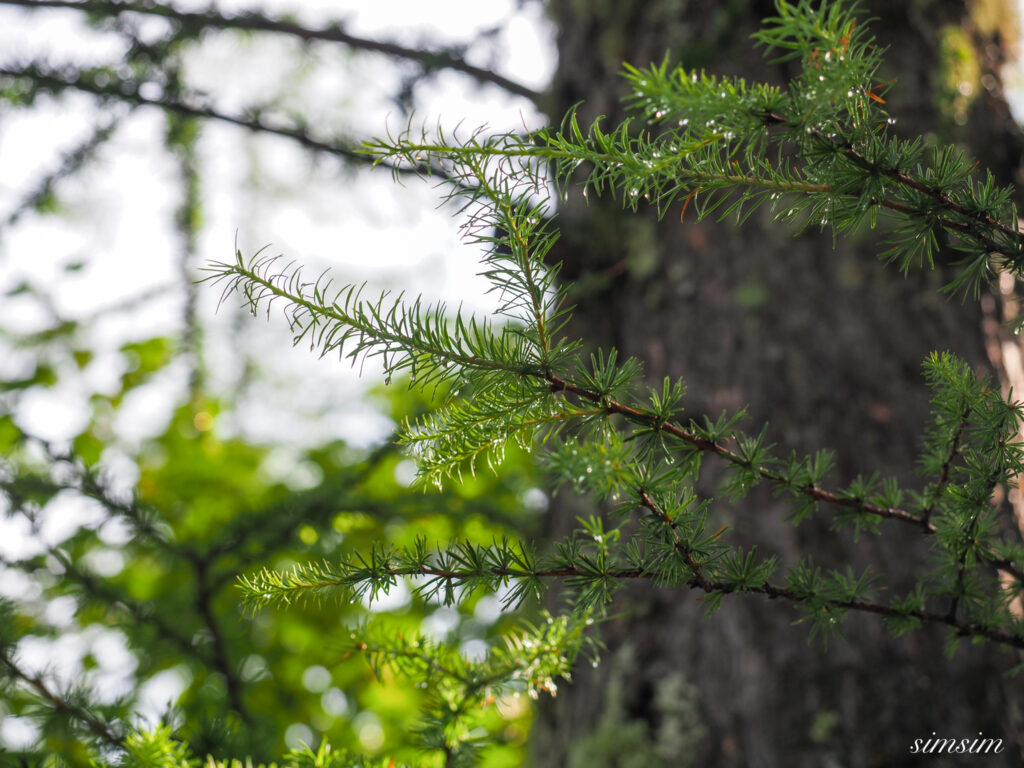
[[143, 521], [103, 592], [430, 60], [222, 662], [72, 161], [52, 80]]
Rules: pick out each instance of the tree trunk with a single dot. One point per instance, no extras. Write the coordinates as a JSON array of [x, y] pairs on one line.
[[825, 344]]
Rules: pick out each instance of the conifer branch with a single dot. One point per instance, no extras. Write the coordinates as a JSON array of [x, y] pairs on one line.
[[821, 147], [936, 193], [389, 333], [962, 628], [430, 60], [531, 657], [908, 180], [699, 443], [695, 441], [389, 330], [664, 169], [815, 152], [520, 238], [370, 576]]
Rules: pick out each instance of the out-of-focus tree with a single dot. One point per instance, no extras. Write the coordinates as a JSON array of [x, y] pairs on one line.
[[135, 490]]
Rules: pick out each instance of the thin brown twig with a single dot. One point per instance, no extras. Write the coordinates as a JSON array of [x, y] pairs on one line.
[[772, 591]]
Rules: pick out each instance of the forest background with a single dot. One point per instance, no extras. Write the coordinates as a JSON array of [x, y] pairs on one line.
[[143, 408]]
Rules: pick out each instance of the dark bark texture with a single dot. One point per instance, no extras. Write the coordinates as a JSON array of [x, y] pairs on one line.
[[825, 344]]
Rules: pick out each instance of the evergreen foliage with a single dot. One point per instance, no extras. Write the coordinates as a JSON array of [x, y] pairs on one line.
[[814, 154], [818, 154]]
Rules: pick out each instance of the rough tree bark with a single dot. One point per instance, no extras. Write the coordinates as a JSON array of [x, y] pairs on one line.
[[826, 345]]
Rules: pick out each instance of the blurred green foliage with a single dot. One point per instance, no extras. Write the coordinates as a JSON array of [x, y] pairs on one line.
[[161, 530]]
